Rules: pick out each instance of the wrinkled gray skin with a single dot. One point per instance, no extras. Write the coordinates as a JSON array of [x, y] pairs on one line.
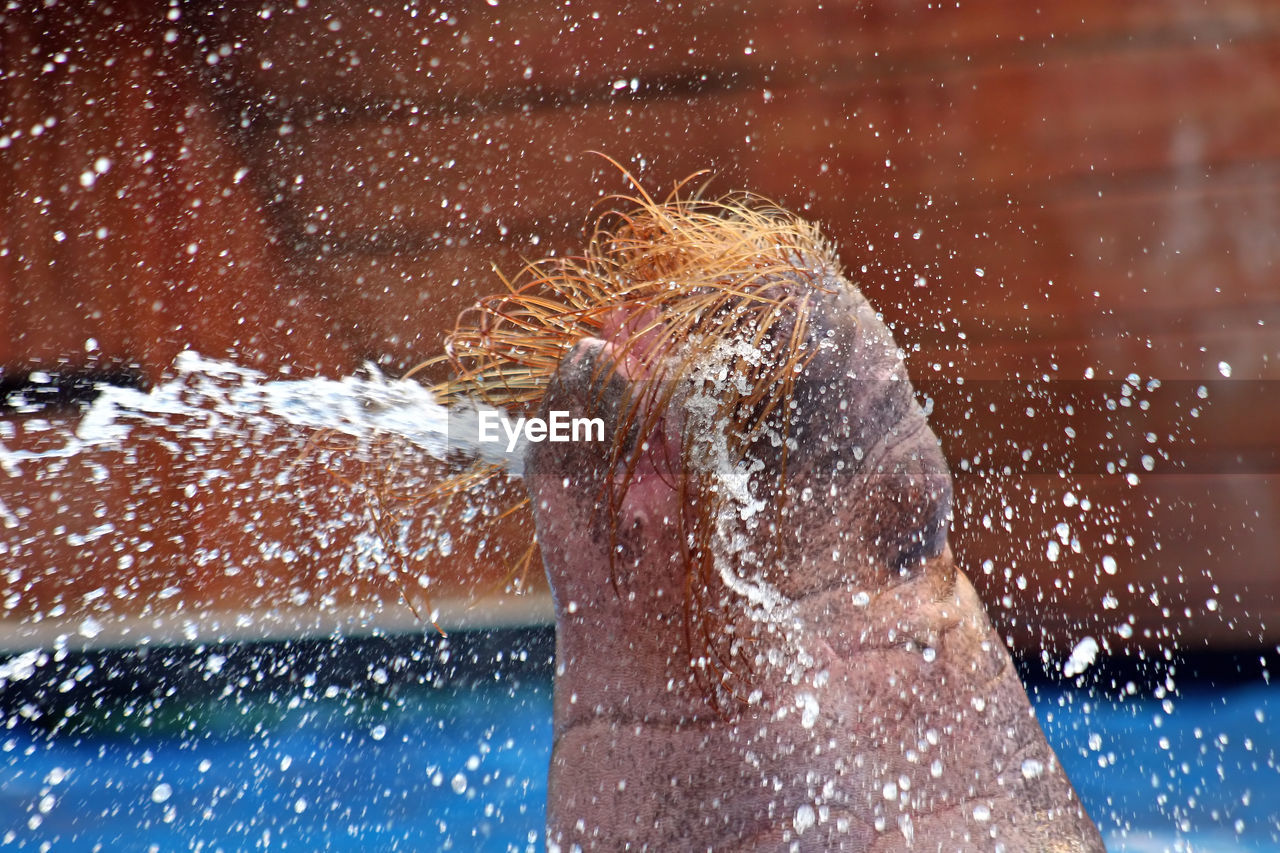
[[884, 711]]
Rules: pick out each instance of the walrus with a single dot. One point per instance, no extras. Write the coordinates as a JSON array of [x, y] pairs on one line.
[[763, 641]]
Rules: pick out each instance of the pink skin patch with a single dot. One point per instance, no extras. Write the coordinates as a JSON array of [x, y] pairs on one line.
[[635, 337], [630, 339]]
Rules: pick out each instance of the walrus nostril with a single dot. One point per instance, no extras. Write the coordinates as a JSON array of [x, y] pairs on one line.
[[631, 535], [584, 349]]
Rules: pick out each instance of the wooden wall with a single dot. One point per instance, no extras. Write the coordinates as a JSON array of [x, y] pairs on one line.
[[1042, 201]]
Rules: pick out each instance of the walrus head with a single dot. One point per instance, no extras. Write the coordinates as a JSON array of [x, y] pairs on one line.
[[763, 429]]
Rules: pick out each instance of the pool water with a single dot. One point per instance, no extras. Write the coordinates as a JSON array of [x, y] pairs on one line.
[[423, 743], [1194, 771]]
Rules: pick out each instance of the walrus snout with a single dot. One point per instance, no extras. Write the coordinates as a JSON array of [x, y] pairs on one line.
[[852, 432]]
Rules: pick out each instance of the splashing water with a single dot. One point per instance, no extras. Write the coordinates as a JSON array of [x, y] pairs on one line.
[[222, 504], [210, 390]]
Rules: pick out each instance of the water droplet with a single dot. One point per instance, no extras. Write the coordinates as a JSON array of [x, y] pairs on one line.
[[808, 705], [907, 828], [1082, 657]]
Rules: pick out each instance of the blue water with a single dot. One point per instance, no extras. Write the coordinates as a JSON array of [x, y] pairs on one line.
[[1194, 771], [379, 749]]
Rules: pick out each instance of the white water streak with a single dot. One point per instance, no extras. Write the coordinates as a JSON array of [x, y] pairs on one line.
[[362, 407]]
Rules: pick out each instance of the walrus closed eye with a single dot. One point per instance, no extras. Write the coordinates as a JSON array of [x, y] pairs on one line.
[[762, 639]]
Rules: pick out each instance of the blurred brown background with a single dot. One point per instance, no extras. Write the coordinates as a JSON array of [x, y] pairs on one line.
[[1042, 202]]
